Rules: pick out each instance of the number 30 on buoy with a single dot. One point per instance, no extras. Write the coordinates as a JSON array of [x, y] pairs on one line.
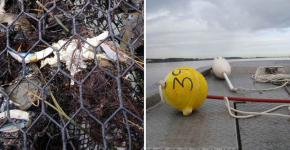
[[185, 89]]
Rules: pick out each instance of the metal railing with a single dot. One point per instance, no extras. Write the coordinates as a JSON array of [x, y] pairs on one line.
[[103, 109]]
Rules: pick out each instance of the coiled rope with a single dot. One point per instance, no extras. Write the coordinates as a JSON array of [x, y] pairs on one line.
[[261, 76]]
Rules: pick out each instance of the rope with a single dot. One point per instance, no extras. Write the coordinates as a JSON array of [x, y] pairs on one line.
[[246, 89], [287, 90], [161, 86], [254, 114], [261, 76]]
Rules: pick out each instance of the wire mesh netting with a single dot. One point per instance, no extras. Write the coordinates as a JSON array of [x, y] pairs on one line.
[[72, 74]]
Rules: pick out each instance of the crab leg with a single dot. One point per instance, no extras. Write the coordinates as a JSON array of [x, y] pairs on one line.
[[44, 53], [12, 128], [17, 114], [111, 54], [13, 105]]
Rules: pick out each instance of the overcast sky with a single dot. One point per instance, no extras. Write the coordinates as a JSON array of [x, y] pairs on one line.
[[210, 28]]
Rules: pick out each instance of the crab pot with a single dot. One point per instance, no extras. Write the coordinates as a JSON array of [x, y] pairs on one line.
[[76, 68]]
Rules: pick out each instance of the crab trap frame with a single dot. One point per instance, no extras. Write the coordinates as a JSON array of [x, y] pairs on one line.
[[71, 74]]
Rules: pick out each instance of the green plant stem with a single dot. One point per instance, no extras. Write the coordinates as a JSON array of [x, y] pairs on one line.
[[59, 109]]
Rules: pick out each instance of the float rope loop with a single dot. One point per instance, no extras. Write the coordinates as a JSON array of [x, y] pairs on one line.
[[246, 89], [253, 114], [161, 86], [260, 76]]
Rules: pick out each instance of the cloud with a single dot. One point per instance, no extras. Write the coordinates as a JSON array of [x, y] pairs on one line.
[[158, 14], [210, 28], [247, 14]]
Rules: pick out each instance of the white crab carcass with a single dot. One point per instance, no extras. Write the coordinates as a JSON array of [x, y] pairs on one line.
[[75, 56]]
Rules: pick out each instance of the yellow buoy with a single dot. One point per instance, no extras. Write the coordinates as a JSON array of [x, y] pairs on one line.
[[185, 89]]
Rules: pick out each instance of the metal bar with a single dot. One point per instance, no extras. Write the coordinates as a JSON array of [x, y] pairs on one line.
[[246, 99], [239, 141]]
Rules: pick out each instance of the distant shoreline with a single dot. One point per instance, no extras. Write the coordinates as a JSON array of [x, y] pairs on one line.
[[160, 60]]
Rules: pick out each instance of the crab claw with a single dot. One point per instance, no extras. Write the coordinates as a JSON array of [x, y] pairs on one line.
[[12, 128], [16, 114], [19, 59], [31, 57]]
